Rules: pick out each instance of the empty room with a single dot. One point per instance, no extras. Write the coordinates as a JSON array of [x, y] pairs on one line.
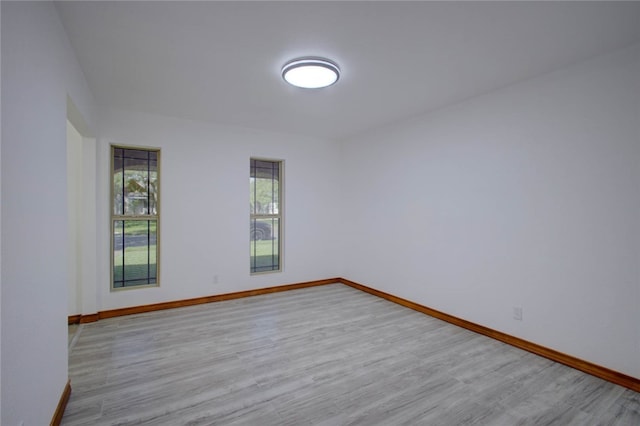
[[320, 213]]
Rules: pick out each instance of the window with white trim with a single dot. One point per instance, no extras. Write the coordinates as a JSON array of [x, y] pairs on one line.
[[265, 223], [135, 191]]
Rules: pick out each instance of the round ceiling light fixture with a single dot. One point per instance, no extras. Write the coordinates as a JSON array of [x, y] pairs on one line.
[[311, 72]]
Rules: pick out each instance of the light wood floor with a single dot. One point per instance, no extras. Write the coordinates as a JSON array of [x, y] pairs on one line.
[[329, 355]]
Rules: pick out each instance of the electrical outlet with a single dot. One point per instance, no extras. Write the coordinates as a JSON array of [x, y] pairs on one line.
[[517, 313], [215, 279]]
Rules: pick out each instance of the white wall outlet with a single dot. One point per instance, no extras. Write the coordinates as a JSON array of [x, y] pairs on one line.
[[517, 313], [216, 279]]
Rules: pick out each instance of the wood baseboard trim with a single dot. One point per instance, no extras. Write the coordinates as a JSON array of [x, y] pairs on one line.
[[84, 319], [199, 300], [569, 360], [62, 405]]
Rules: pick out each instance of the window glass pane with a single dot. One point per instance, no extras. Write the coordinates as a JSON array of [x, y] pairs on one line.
[[134, 253], [153, 183], [265, 244], [135, 182], [118, 202], [135, 186], [264, 187], [252, 195], [118, 253]]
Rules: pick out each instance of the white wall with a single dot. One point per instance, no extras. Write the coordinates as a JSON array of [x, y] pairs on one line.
[[74, 206], [205, 206], [0, 234], [81, 207], [528, 196], [39, 71], [86, 296]]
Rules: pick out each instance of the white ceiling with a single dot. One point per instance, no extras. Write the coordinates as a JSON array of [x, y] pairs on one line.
[[220, 61]]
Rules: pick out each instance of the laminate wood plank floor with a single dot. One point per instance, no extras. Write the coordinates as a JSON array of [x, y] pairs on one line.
[[328, 355]]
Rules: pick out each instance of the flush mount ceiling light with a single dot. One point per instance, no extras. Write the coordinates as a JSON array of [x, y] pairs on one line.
[[311, 73]]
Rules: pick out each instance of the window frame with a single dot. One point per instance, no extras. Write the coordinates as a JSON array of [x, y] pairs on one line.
[[279, 216], [113, 218]]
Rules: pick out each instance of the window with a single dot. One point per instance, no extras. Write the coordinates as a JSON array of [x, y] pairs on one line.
[[135, 193], [265, 227]]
